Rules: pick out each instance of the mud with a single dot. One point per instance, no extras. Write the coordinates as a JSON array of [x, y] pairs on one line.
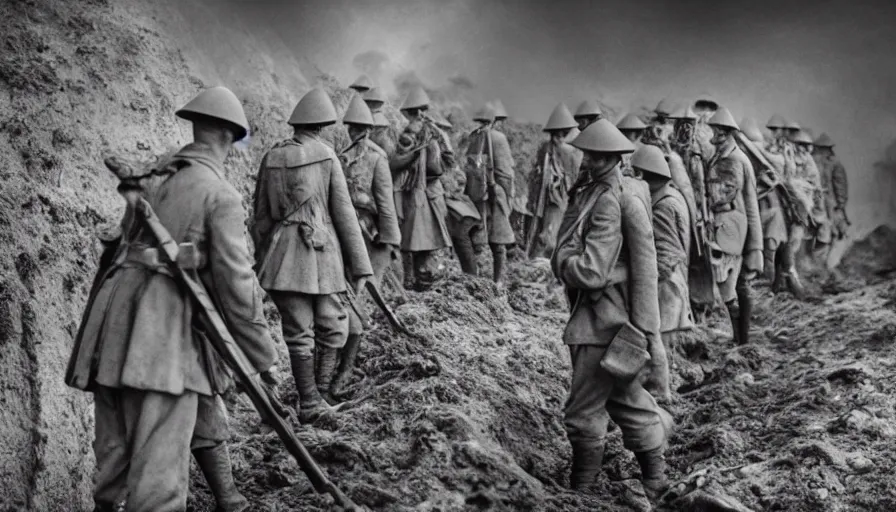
[[467, 419]]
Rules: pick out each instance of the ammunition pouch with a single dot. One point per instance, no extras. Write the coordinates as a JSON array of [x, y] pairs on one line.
[[627, 353]]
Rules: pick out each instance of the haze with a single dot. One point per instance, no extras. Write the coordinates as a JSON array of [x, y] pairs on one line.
[[830, 66]]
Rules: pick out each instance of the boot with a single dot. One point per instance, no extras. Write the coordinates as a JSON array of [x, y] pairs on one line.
[[782, 263], [312, 406], [466, 255], [499, 262], [587, 458], [745, 304], [794, 284], [328, 358], [769, 263], [215, 465], [346, 364], [734, 315], [653, 473]]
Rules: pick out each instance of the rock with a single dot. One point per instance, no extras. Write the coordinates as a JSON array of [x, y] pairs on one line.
[[819, 494], [858, 420], [860, 464], [744, 379], [703, 501]]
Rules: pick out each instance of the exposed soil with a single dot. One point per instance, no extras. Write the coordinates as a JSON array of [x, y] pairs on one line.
[[799, 420]]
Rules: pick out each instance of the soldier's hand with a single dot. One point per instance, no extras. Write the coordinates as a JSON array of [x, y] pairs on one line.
[[271, 377], [360, 283]]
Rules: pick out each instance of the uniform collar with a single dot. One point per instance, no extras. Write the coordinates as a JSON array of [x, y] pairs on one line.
[[200, 152]]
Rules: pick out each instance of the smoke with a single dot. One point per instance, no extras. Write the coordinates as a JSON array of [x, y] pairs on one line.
[[828, 67], [373, 63]]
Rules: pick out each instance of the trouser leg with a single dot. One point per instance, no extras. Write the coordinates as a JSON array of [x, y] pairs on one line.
[[160, 428], [745, 303], [110, 448], [466, 254], [499, 262], [424, 270]]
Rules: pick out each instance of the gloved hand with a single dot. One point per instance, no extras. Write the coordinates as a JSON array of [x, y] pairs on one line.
[[360, 283], [753, 264]]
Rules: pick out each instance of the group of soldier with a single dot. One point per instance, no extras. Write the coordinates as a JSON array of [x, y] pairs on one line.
[[638, 220]]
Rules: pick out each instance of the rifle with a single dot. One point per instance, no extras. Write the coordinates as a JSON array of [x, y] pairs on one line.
[[219, 337], [539, 206]]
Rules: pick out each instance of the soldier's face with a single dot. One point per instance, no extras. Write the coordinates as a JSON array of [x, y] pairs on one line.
[[585, 121], [804, 149], [599, 163], [356, 131], [719, 135]]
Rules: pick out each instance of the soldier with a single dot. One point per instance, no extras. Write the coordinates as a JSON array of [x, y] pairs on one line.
[[500, 115], [370, 188], [375, 99], [660, 127], [553, 174], [792, 129], [737, 231], [362, 84], [771, 213], [811, 223], [489, 170], [309, 244], [136, 349], [423, 153], [687, 152], [594, 259], [705, 107], [633, 128], [588, 112], [781, 153], [381, 134], [835, 188], [672, 235]]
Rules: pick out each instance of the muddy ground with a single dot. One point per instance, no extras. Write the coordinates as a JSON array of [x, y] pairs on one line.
[[800, 419]]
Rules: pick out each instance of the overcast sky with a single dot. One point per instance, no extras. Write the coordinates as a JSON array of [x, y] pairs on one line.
[[831, 66]]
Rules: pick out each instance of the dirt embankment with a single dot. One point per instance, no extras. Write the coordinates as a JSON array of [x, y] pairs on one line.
[[799, 420]]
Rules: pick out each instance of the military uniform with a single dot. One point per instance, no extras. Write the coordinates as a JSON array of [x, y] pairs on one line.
[[137, 350], [834, 186], [672, 234], [309, 244], [605, 257], [731, 194], [555, 170], [464, 220], [422, 208]]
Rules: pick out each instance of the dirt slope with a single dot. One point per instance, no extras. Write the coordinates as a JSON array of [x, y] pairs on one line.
[[469, 421]]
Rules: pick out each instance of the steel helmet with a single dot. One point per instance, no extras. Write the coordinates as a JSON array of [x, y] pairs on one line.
[[500, 111], [358, 112], [374, 95], [601, 136], [723, 117], [824, 141], [485, 113], [379, 120], [802, 138], [776, 121], [417, 98], [315, 107], [362, 84], [217, 103], [751, 129], [793, 125], [650, 158], [560, 119], [664, 107], [684, 111], [707, 98], [588, 108], [631, 122]]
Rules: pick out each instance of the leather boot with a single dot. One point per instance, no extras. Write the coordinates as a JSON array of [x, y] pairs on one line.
[[769, 263], [587, 458], [734, 315], [326, 365], [499, 262], [312, 406], [795, 285], [653, 473], [466, 255], [215, 465], [745, 305], [346, 364]]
